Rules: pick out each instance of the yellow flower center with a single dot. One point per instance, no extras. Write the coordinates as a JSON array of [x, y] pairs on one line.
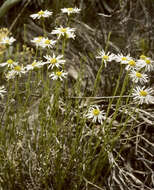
[[147, 61], [41, 13], [143, 93], [143, 57], [124, 58], [63, 30], [10, 61], [132, 63], [17, 68], [34, 63], [96, 112], [59, 73], [53, 61], [47, 42], [105, 57], [39, 39], [7, 41], [139, 75], [70, 9]]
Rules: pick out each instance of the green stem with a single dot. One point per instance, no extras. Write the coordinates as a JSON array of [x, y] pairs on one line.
[[115, 91], [117, 104], [97, 80], [43, 25], [63, 46]]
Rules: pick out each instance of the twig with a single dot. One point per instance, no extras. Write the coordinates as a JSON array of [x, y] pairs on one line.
[[92, 184]]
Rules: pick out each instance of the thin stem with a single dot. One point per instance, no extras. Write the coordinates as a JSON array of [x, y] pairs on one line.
[[63, 46], [97, 80], [43, 25]]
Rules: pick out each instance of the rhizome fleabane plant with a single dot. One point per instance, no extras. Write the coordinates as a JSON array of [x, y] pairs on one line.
[[50, 139]]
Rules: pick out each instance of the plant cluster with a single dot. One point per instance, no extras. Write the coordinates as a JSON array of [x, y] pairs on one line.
[[60, 143]]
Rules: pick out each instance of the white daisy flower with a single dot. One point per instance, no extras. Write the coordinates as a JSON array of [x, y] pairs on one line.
[[37, 41], [9, 63], [122, 59], [143, 57], [7, 41], [143, 95], [10, 75], [132, 64], [45, 42], [17, 71], [54, 61], [95, 114], [58, 75], [138, 77], [65, 32], [34, 65], [2, 91], [41, 14], [146, 63], [70, 10], [106, 57]]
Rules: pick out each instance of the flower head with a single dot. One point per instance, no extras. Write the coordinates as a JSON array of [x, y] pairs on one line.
[[2, 91], [9, 63], [122, 59], [146, 62], [7, 41], [138, 77], [37, 41], [95, 114], [106, 57], [58, 75], [16, 71], [143, 95], [54, 61], [41, 14], [3, 33], [70, 10], [143, 57], [65, 32], [45, 42], [132, 65], [34, 65]]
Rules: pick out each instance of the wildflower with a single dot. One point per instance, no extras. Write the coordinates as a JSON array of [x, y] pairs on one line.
[[10, 75], [2, 91], [45, 42], [41, 14], [37, 41], [9, 63], [65, 32], [17, 71], [58, 75], [3, 33], [7, 41], [70, 10], [95, 114], [54, 61], [143, 57], [143, 95], [34, 65], [147, 63], [138, 77], [122, 59], [106, 57], [132, 64]]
